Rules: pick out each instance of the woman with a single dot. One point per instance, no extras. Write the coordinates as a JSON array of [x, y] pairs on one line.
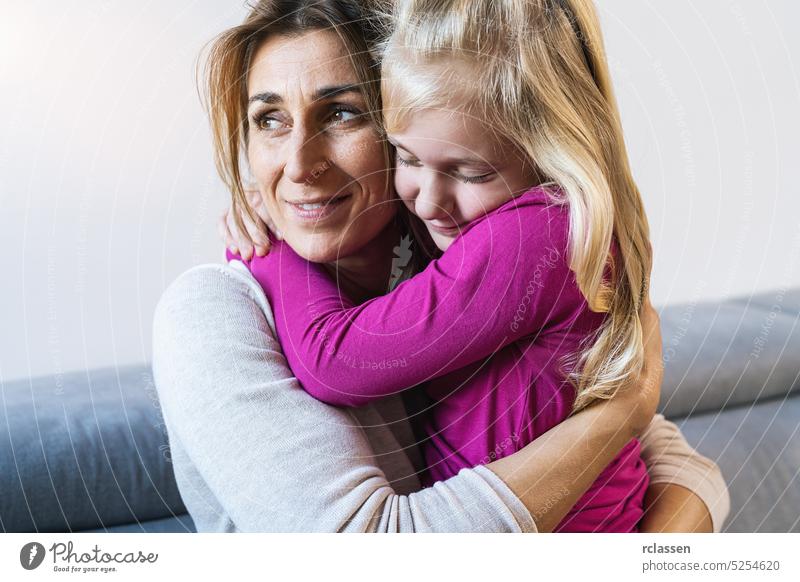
[[258, 454]]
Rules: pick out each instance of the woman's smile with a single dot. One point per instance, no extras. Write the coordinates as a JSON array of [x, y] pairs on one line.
[[319, 210]]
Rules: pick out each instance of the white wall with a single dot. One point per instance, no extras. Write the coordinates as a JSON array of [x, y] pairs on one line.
[[107, 188]]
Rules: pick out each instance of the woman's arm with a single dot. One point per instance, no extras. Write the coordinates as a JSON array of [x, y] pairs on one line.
[[674, 508], [502, 280], [268, 457], [687, 491], [264, 455]]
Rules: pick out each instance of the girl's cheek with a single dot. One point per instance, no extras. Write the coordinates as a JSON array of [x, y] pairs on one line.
[[404, 185]]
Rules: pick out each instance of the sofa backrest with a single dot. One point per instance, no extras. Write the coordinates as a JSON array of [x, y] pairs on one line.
[[730, 353], [84, 450]]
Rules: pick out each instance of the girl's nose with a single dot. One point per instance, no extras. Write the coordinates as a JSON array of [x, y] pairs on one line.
[[434, 201]]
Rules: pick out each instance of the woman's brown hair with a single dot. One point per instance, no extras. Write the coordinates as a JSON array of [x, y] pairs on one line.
[[226, 67]]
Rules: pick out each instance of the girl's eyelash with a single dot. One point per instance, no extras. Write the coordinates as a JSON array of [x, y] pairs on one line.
[[401, 161], [476, 179]]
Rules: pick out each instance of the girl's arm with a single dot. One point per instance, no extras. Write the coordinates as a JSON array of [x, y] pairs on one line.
[[504, 278]]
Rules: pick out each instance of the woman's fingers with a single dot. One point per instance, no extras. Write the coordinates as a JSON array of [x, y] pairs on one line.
[[653, 369], [651, 331]]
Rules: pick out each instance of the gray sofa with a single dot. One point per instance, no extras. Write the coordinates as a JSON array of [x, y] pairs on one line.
[[88, 451]]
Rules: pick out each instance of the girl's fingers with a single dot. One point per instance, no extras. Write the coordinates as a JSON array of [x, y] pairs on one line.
[[256, 202], [261, 211], [225, 234], [243, 242], [258, 235]]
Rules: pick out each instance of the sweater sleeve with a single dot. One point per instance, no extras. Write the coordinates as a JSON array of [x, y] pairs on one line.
[[258, 454], [505, 278], [670, 459]]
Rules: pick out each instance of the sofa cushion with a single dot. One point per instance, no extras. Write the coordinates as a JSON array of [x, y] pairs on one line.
[[731, 353], [84, 450], [757, 449], [177, 524]]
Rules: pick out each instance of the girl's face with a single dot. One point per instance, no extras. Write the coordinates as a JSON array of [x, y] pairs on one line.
[[451, 170], [316, 157]]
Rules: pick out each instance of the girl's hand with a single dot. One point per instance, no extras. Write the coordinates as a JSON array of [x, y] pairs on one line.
[[255, 239]]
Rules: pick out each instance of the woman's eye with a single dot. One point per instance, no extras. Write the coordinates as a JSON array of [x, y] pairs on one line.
[[341, 116], [267, 121]]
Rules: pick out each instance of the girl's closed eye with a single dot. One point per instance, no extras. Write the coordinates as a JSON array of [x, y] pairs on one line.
[[401, 161], [475, 179], [466, 178]]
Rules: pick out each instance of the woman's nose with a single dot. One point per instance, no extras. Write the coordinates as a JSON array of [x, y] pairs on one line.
[[433, 201], [305, 156]]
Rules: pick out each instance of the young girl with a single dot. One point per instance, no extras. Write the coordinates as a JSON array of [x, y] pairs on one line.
[[510, 150]]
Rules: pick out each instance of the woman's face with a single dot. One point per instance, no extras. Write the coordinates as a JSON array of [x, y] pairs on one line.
[[451, 171], [315, 155]]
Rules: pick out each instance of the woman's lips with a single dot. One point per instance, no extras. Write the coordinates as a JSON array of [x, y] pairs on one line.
[[317, 211]]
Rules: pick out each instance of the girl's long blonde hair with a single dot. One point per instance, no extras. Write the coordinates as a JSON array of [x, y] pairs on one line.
[[536, 71]]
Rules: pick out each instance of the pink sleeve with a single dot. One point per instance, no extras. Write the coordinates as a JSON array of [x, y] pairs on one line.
[[505, 278]]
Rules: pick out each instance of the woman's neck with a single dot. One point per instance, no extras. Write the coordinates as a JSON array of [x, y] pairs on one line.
[[365, 274]]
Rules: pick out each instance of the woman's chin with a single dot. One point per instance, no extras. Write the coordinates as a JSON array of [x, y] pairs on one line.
[[316, 247]]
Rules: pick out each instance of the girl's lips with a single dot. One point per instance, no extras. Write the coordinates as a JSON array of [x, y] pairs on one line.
[[450, 231], [319, 211]]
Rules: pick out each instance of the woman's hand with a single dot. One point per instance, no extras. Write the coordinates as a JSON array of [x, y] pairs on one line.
[[637, 401], [670, 508], [255, 239]]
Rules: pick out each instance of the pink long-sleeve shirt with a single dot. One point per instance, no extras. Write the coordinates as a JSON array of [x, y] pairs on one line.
[[489, 328]]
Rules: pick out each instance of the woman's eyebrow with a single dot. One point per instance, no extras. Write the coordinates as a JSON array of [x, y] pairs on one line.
[[334, 91], [271, 98], [266, 97]]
